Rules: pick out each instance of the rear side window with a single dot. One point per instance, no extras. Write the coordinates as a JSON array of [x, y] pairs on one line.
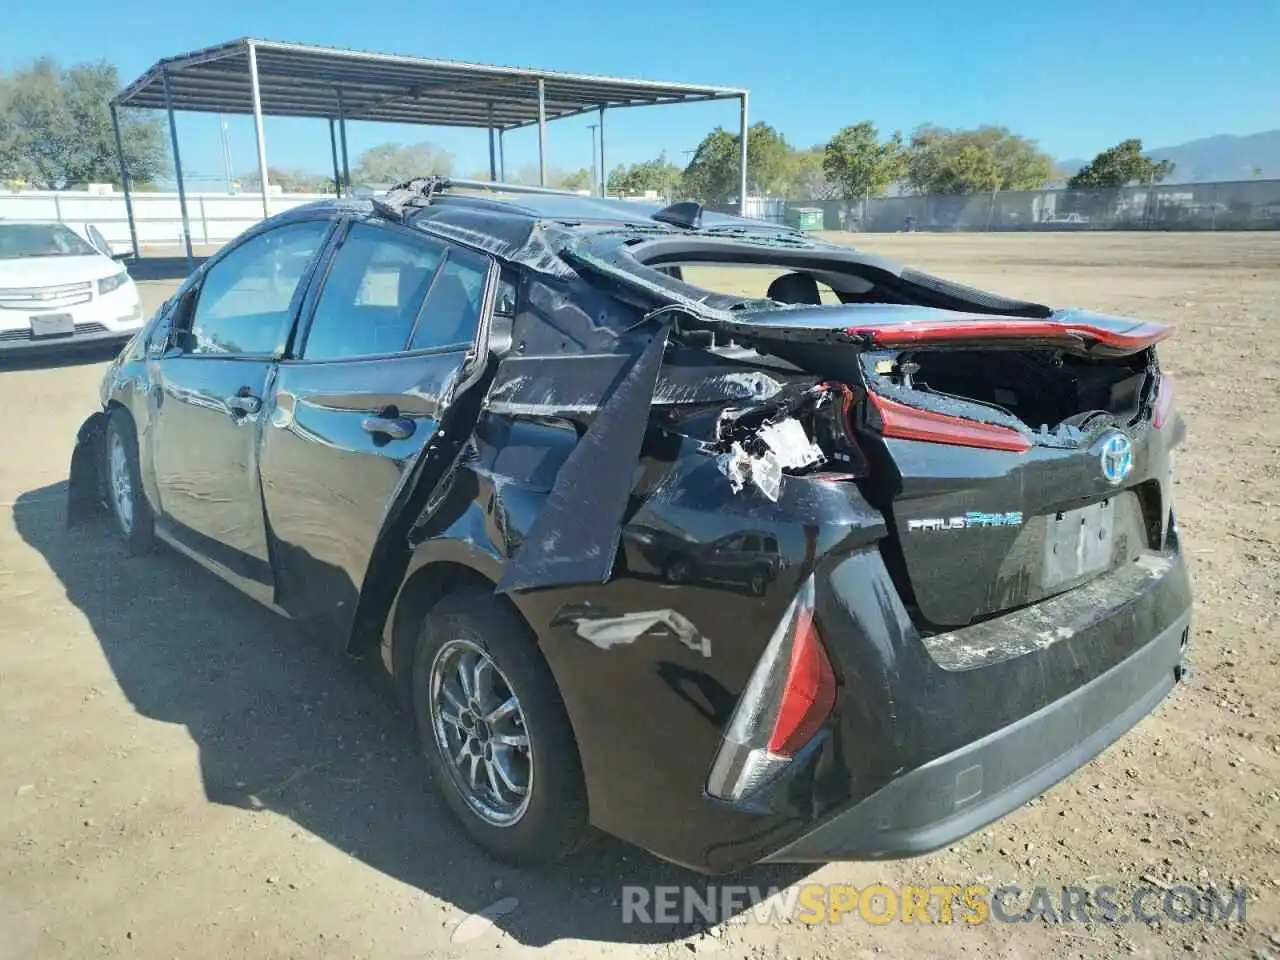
[[452, 312], [373, 294]]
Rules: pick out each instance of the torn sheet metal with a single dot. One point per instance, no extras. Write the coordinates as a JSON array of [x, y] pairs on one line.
[[576, 384], [575, 537], [608, 632], [762, 455], [790, 445], [736, 465], [764, 471], [766, 474]]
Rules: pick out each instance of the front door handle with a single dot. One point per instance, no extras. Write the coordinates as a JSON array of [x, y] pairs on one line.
[[243, 404], [397, 428]]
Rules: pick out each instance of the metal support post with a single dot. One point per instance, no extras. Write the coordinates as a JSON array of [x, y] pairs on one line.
[[124, 180], [542, 132], [742, 159], [177, 168], [257, 126]]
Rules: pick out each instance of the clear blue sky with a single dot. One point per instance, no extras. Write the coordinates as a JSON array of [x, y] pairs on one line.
[[1078, 76]]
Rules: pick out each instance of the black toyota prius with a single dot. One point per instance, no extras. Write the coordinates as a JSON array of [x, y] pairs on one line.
[[845, 571]]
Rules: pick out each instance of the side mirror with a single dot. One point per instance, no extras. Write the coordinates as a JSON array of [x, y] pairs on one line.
[[99, 242]]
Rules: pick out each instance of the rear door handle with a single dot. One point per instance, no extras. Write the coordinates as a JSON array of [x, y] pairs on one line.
[[397, 428], [244, 404]]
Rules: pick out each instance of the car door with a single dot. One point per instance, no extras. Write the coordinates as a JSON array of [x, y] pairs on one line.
[[724, 555], [209, 391], [385, 340]]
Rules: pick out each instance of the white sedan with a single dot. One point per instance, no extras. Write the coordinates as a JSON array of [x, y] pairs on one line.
[[59, 290]]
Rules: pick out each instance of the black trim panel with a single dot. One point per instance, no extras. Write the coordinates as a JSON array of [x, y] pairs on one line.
[[237, 561]]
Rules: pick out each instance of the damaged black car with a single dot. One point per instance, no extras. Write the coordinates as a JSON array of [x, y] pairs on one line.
[[843, 568]]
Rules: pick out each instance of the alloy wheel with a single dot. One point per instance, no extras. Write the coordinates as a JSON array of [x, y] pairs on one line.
[[121, 482], [480, 732]]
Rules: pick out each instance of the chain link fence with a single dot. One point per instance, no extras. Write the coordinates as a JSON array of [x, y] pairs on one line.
[[1238, 205]]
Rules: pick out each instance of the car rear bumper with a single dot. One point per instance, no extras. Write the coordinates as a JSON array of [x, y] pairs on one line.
[[908, 698], [948, 798]]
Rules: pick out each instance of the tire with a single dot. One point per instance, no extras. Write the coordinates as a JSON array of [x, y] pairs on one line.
[[758, 582], [122, 483], [549, 820], [678, 570]]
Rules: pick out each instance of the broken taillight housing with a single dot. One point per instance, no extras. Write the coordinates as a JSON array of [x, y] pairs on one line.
[[1164, 403], [911, 423], [788, 698]]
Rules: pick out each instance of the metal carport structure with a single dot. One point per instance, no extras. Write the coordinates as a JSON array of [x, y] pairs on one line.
[[270, 78]]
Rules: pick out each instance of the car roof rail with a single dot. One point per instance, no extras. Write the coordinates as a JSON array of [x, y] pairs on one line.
[[497, 186], [420, 191]]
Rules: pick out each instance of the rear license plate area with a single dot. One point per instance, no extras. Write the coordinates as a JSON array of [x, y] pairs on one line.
[[53, 325], [1078, 543]]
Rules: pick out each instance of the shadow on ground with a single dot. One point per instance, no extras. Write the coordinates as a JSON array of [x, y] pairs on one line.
[[44, 358], [283, 726], [163, 268]]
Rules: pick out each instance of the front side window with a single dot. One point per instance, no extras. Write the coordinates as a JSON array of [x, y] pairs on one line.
[[245, 302], [373, 294]]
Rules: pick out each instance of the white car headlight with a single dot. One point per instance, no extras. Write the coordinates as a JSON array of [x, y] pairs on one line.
[[107, 284]]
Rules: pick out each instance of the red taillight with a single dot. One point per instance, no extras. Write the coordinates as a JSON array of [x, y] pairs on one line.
[[788, 697], [1164, 403], [1130, 339], [809, 692], [911, 423]]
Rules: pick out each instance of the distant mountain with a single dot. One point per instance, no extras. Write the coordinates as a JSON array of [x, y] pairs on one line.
[[1224, 157], [1069, 168]]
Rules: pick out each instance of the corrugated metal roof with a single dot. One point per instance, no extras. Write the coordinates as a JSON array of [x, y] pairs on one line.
[[301, 80]]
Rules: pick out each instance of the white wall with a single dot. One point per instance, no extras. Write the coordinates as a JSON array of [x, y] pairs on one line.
[[215, 217]]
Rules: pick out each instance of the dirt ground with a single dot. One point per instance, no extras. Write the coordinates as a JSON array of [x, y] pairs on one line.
[[183, 775]]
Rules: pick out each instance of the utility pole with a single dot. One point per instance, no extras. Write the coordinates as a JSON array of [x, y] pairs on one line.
[[226, 151], [593, 127]]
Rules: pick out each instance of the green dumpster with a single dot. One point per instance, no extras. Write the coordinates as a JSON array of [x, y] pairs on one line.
[[805, 218]]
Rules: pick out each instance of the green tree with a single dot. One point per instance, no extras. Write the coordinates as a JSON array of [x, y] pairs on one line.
[[634, 180], [1120, 166], [571, 179], [712, 174], [389, 163], [860, 164], [290, 181], [55, 128], [808, 180], [971, 170], [940, 160], [528, 174]]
